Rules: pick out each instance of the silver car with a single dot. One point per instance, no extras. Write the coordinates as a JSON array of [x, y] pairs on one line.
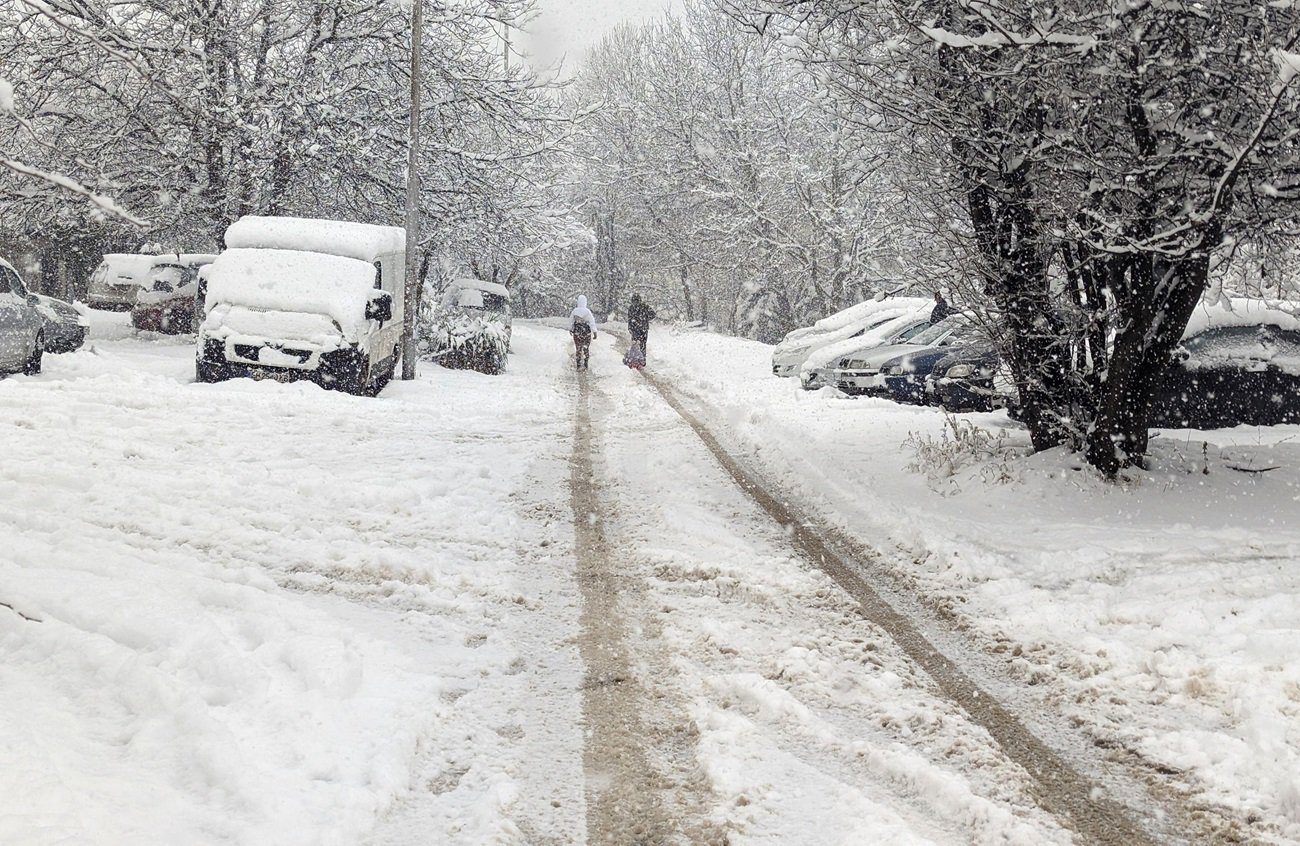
[[62, 326], [21, 339]]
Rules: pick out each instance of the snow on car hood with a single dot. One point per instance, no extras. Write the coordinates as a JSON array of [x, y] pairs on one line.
[[885, 311], [246, 325], [826, 356], [58, 311], [877, 357], [287, 283]]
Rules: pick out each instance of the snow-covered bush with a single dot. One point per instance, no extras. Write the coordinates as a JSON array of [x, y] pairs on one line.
[[456, 338], [962, 444]]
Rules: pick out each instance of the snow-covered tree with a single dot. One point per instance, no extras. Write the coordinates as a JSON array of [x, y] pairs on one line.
[[730, 192], [193, 115], [1102, 157]]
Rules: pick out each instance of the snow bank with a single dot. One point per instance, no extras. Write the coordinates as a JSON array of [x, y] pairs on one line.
[[1162, 614], [267, 614], [363, 241], [290, 282]]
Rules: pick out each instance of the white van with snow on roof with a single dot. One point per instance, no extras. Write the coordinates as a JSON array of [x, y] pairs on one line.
[[295, 298]]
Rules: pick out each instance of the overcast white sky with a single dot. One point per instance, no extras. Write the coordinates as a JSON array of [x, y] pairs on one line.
[[570, 27]]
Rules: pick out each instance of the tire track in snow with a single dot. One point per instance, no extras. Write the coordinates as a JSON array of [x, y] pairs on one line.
[[1081, 803], [624, 804]]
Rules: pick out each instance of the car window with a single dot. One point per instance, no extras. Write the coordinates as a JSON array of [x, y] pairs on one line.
[[1228, 343], [17, 285], [494, 302], [470, 298], [912, 331], [1283, 348], [936, 333], [6, 281]]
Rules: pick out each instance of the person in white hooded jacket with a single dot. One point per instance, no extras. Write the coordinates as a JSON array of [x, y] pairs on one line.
[[582, 325]]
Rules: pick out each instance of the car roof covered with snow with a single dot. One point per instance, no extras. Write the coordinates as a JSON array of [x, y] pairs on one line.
[[469, 282], [1242, 311], [363, 241], [863, 319], [855, 313], [827, 355], [132, 266]]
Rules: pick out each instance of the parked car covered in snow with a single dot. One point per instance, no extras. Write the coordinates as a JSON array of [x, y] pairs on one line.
[[294, 298], [1238, 363], [470, 327], [63, 328], [169, 303], [22, 338], [823, 365], [117, 279], [789, 355]]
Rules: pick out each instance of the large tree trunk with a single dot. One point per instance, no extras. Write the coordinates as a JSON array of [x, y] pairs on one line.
[[1149, 331], [1009, 237]]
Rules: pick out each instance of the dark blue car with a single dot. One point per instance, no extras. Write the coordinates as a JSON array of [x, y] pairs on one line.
[[905, 377], [965, 380]]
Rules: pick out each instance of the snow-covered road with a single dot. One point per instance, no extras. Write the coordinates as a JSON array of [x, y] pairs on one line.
[[258, 613]]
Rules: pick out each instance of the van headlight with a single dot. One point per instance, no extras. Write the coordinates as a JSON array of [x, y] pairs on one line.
[[960, 371]]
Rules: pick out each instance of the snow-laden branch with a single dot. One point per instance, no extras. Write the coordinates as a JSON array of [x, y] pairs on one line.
[[1082, 43], [72, 186]]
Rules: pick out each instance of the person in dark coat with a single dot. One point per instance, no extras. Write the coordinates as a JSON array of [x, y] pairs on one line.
[[941, 308], [639, 316]]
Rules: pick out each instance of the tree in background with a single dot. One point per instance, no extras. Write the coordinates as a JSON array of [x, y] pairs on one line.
[[193, 115], [729, 191]]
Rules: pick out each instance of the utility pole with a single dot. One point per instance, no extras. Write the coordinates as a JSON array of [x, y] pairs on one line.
[[411, 303]]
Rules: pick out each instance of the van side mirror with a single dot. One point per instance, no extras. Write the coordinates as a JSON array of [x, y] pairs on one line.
[[380, 307], [33, 300]]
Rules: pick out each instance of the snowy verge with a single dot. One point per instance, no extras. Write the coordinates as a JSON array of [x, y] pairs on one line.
[[1160, 612], [261, 613]]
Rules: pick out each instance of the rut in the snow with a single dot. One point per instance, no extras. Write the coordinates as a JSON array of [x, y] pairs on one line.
[[1080, 803], [625, 792]]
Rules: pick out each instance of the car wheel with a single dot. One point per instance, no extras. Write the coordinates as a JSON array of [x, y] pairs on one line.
[[207, 371], [381, 378], [33, 365], [357, 382]]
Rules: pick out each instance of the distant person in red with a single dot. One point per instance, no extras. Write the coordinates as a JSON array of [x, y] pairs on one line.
[[582, 325], [639, 316]]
